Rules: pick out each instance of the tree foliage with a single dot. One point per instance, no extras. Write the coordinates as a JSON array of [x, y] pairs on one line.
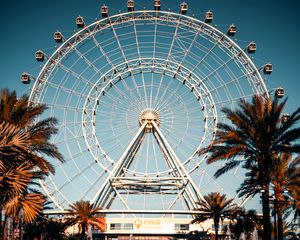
[[217, 207], [254, 135], [84, 214], [24, 150]]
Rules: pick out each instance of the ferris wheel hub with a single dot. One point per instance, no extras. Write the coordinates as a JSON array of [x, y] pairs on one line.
[[149, 115]]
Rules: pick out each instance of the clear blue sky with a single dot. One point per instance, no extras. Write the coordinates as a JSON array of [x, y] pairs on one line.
[[29, 25]]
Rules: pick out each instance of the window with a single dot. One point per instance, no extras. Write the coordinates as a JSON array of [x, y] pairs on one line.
[[182, 226], [115, 226], [127, 226], [121, 226]]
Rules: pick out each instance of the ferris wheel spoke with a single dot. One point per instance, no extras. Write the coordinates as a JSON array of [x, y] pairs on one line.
[[205, 56], [153, 57], [172, 99], [232, 81], [113, 65], [132, 92], [87, 61], [79, 174], [103, 52], [126, 61], [139, 57], [169, 54], [127, 94], [65, 90], [121, 133], [215, 70], [95, 183], [76, 75], [55, 190], [58, 106], [188, 50], [233, 100], [163, 99]]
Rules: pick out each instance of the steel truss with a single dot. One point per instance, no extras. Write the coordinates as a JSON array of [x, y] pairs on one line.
[[180, 183]]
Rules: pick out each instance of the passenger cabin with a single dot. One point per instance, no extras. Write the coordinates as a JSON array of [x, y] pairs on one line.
[[157, 5], [104, 11], [183, 8], [209, 16], [285, 118], [39, 56], [279, 92], [130, 5], [268, 68], [25, 78], [251, 47], [231, 30], [80, 22], [58, 37]]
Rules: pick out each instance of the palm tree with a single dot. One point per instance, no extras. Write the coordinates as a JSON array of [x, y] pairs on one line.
[[279, 181], [24, 144], [45, 228], [38, 228], [17, 175], [84, 213], [256, 134], [246, 222], [285, 175], [214, 206]]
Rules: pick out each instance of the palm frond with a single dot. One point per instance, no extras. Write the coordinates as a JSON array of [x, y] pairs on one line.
[[227, 167]]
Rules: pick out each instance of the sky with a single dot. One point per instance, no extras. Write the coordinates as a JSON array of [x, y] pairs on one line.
[[29, 25]]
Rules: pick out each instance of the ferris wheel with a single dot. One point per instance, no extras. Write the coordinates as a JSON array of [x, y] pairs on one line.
[[137, 94]]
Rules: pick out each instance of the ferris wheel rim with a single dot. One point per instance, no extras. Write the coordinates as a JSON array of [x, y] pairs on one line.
[[205, 90]]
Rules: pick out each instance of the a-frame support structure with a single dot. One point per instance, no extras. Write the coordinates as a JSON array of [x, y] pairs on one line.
[[179, 182]]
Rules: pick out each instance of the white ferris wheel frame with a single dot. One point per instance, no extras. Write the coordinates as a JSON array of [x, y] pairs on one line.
[[168, 66]]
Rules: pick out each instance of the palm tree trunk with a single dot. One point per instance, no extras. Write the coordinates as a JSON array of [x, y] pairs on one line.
[[1, 224], [280, 224], [5, 235], [83, 226], [216, 223], [266, 213]]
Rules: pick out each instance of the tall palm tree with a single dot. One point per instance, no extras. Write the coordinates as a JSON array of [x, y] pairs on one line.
[[246, 222], [45, 228], [254, 136], [54, 229], [17, 174], [24, 144], [84, 214], [285, 175], [38, 229], [279, 181], [214, 206]]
